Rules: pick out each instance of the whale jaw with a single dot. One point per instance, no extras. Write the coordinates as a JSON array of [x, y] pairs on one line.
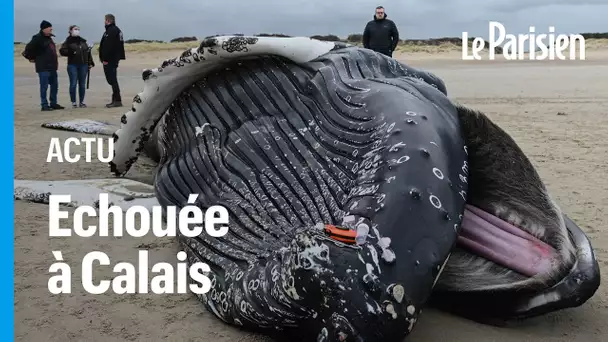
[[552, 265]]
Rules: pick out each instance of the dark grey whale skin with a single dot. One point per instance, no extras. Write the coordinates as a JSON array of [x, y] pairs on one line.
[[284, 147]]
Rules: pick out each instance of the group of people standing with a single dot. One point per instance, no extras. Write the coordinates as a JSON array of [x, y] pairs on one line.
[[41, 51], [380, 35]]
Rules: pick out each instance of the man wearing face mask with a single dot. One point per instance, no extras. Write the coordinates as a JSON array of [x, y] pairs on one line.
[[381, 34], [42, 52], [111, 51], [80, 60]]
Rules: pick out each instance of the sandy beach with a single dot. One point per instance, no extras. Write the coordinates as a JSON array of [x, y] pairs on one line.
[[555, 110]]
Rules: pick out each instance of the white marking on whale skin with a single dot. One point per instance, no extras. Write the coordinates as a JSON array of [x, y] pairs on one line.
[[323, 335], [401, 160], [465, 168], [398, 293], [164, 84], [437, 173], [388, 255], [370, 268], [411, 309], [361, 258], [200, 129], [374, 255], [396, 147], [435, 201], [362, 233], [412, 321], [348, 219], [390, 309], [384, 243], [445, 262]]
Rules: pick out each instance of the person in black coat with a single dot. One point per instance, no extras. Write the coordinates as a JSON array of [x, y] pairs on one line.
[[42, 52], [381, 34], [80, 60], [111, 51]]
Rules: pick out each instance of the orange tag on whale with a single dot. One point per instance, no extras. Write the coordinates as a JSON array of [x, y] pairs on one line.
[[341, 234]]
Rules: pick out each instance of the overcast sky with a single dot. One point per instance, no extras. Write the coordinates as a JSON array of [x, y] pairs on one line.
[[416, 19]]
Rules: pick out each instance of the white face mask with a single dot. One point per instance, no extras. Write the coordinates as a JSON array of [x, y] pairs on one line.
[[75, 32]]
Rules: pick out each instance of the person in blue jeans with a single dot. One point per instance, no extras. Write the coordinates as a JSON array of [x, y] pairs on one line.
[[80, 60], [42, 52]]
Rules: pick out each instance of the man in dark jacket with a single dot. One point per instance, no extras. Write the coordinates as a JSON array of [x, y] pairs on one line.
[[111, 51], [381, 34], [42, 52]]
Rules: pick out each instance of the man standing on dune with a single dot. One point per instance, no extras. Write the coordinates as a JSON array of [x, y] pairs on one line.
[[41, 51], [381, 34], [111, 51]]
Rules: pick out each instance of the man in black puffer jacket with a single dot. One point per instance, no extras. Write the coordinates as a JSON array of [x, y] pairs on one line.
[[111, 52], [42, 52], [381, 34]]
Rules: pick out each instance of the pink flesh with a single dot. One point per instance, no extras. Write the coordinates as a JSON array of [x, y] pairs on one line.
[[504, 244]]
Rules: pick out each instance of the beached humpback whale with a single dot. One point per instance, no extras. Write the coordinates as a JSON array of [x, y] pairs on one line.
[[356, 188]]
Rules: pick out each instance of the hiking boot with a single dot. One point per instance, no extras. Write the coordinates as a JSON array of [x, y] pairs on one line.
[[46, 109], [114, 104], [56, 106], [82, 105]]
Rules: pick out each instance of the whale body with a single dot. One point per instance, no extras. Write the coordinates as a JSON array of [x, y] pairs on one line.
[[356, 189]]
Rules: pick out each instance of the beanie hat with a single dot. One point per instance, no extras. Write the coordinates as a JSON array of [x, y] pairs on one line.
[[45, 24]]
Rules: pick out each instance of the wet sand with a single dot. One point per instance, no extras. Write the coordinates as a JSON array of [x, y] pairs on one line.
[[569, 149]]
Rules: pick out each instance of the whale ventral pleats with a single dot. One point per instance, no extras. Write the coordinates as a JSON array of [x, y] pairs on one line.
[[290, 133]]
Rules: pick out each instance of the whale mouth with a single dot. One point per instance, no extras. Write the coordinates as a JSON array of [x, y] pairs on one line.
[[511, 236], [503, 243], [518, 255], [510, 221]]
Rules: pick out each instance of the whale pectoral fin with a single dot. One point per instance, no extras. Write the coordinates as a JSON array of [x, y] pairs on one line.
[[82, 126], [121, 192]]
